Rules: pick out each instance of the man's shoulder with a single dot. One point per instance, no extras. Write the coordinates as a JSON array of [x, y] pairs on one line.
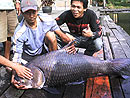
[[66, 15], [45, 17], [20, 29], [67, 12], [90, 12]]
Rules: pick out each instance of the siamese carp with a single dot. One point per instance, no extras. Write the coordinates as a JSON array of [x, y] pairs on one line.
[[59, 68]]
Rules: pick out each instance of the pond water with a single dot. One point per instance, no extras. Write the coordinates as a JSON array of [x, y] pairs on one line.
[[122, 19]]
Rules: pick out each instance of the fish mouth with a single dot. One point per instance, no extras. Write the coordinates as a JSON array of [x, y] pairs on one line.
[[37, 82]]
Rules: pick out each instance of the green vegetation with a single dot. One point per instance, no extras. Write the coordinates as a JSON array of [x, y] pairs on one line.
[[118, 4]]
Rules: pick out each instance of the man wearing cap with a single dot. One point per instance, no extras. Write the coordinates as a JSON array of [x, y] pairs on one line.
[[35, 33]]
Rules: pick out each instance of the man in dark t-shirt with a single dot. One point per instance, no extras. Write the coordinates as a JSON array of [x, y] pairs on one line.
[[83, 24]]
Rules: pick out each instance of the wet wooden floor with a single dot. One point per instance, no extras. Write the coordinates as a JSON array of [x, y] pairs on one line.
[[116, 45]]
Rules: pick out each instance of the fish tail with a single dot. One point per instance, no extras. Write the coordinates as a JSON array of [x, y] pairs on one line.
[[121, 66]]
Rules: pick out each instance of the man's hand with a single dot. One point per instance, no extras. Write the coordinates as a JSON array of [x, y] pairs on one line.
[[18, 85], [70, 37], [23, 71], [87, 32], [71, 49]]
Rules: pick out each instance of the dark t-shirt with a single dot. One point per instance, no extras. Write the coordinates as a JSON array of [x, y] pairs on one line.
[[76, 25]]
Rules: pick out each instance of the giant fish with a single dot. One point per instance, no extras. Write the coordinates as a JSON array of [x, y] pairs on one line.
[[59, 68]]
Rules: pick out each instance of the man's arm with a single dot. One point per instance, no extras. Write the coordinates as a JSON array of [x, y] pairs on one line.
[[95, 26], [55, 28], [21, 71], [61, 19], [18, 7], [63, 36]]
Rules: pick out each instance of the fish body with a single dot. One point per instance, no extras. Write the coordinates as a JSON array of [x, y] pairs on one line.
[[58, 68]]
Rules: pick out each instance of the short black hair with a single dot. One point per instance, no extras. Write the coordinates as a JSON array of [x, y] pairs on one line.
[[85, 3]]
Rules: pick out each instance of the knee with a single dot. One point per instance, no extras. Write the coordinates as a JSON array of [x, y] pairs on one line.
[[50, 37], [98, 44]]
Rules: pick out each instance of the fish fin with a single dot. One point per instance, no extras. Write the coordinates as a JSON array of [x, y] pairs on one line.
[[125, 76], [76, 83], [80, 81]]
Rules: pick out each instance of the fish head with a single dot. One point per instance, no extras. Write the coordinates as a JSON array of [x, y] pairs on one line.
[[37, 81]]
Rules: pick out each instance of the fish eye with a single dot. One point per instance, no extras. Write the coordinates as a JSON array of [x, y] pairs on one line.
[[22, 81]]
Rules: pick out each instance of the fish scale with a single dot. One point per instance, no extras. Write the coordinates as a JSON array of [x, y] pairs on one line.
[[60, 68]]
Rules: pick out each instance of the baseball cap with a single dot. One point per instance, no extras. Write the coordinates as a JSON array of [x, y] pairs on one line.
[[29, 5]]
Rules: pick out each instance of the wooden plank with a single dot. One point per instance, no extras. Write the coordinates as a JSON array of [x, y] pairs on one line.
[[102, 20], [110, 22], [109, 19], [41, 93], [126, 87], [107, 49], [115, 82], [117, 52], [120, 48], [126, 48], [116, 48], [4, 80], [118, 35], [103, 31], [124, 34], [12, 92], [112, 25], [7, 91], [116, 88], [100, 88], [74, 91], [89, 87], [107, 29]]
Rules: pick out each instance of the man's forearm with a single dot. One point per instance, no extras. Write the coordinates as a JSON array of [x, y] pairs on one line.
[[63, 36], [7, 62]]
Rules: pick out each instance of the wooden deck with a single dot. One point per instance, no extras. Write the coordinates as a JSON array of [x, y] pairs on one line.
[[116, 45]]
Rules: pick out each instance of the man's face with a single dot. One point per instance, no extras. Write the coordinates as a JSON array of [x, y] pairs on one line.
[[77, 9], [30, 16]]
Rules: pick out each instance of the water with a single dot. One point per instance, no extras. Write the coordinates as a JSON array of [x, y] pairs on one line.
[[122, 19]]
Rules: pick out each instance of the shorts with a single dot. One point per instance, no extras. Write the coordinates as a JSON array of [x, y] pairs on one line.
[[8, 23], [29, 58], [91, 45]]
